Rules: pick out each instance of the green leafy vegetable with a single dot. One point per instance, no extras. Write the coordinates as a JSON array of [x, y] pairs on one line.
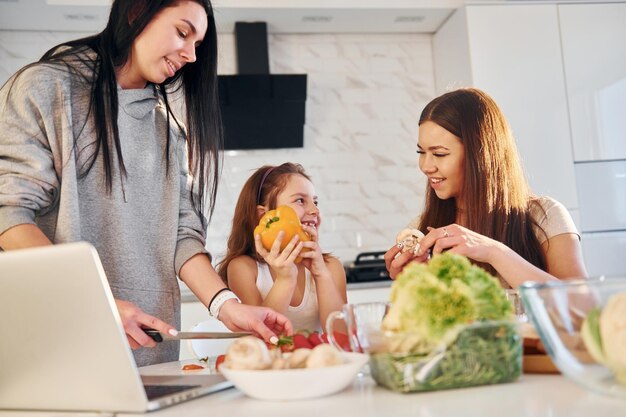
[[431, 300], [446, 328], [483, 353], [604, 334], [590, 332]]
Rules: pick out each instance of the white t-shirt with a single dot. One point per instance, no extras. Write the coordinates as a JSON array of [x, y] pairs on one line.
[[555, 221]]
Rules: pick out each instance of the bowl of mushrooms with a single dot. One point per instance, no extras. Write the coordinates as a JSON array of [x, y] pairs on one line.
[[269, 374]]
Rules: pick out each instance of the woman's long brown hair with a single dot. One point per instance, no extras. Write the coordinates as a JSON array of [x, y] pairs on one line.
[[496, 195], [262, 188]]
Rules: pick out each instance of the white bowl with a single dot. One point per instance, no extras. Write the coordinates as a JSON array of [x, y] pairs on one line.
[[296, 384]]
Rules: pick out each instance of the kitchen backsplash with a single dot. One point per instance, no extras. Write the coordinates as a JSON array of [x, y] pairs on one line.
[[365, 93]]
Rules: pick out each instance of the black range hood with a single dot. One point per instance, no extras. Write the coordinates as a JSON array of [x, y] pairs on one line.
[[260, 110]]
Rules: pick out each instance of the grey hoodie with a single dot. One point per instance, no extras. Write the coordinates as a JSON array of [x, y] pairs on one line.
[[144, 230]]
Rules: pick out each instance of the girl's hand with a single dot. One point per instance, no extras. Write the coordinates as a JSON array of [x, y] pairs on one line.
[[134, 319], [457, 239], [313, 260], [282, 262], [395, 260]]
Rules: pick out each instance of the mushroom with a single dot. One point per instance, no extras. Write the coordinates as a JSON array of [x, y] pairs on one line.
[[248, 352], [280, 363], [409, 239], [298, 358], [323, 355]]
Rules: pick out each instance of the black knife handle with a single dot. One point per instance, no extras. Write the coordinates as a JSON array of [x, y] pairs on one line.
[[154, 334]]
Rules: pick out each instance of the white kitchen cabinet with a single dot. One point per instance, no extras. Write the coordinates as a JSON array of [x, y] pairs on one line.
[[369, 295], [602, 191], [604, 253], [594, 55], [513, 53]]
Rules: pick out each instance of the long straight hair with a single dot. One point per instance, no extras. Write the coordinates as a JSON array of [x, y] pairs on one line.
[[198, 80], [496, 195], [262, 188]]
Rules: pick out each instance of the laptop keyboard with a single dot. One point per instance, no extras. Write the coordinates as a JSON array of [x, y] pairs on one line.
[[158, 391]]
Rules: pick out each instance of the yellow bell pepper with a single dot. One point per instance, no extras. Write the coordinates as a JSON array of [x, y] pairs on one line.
[[283, 218]]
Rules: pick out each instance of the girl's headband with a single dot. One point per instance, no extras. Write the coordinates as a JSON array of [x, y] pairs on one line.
[[258, 197]]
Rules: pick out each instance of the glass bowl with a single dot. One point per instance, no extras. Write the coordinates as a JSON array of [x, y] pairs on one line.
[[558, 310], [481, 353]]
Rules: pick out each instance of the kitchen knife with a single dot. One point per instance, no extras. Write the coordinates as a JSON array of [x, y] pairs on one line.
[[160, 337]]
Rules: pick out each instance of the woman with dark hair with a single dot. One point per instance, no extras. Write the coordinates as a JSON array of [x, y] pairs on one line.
[[90, 150], [478, 203]]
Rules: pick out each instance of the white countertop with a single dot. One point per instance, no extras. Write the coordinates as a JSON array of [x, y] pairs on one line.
[[532, 396]]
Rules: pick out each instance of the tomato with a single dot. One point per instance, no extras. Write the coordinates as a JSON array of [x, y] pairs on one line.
[[301, 341], [285, 344], [315, 339], [342, 340], [287, 347], [192, 367], [283, 218], [218, 361]]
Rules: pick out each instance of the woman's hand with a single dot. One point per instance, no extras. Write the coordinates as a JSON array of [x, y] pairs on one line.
[[313, 260], [134, 319], [282, 262], [262, 321], [395, 260], [457, 239]]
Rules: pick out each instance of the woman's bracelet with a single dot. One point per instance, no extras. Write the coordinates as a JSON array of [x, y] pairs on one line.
[[216, 294], [218, 300]]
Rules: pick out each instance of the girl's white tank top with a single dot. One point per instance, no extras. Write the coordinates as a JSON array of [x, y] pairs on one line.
[[304, 316]]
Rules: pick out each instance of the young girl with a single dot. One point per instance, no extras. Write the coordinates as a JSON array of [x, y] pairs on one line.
[[478, 203], [305, 292], [90, 150]]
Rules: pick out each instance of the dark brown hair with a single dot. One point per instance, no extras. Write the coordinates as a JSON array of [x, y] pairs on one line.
[[198, 81], [497, 198], [262, 188]]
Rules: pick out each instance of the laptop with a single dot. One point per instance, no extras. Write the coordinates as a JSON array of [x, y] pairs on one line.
[[63, 345]]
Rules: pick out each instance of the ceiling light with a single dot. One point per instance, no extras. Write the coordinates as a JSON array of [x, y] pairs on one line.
[[409, 19], [79, 2], [317, 19]]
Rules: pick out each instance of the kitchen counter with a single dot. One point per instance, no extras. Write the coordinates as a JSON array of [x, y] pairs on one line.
[[532, 395]]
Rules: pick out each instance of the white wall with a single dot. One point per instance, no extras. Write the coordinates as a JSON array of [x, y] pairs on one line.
[[365, 95], [491, 48]]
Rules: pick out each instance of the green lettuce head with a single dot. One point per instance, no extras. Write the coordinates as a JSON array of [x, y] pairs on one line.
[[430, 300]]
